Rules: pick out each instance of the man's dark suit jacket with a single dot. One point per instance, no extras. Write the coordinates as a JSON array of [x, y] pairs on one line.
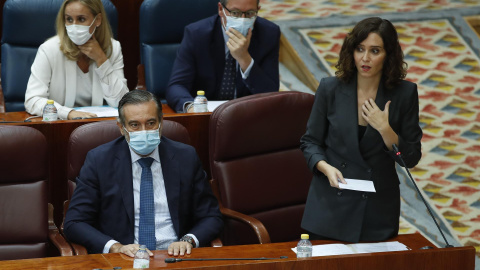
[[201, 59], [102, 205], [332, 135]]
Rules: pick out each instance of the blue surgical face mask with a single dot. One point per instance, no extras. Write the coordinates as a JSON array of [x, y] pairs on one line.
[[240, 24], [145, 141]]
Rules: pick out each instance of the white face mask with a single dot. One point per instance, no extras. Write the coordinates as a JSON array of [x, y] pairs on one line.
[[80, 34], [240, 24]]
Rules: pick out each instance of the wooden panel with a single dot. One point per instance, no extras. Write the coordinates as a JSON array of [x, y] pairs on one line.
[[452, 258], [438, 259], [128, 35], [58, 263]]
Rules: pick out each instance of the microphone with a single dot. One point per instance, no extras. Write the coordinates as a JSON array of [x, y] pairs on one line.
[[395, 149], [173, 260]]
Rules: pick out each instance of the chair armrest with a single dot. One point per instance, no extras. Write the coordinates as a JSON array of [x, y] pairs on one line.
[[77, 249], [141, 78], [216, 243], [255, 224], [55, 237]]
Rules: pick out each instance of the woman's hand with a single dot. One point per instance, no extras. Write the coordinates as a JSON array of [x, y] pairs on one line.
[[333, 174], [76, 114], [379, 120], [374, 116], [93, 51]]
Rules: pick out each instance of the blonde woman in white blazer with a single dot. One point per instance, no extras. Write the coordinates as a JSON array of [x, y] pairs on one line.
[[81, 66]]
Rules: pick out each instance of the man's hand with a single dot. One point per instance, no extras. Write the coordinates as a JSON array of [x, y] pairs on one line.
[[128, 250], [238, 46], [179, 248]]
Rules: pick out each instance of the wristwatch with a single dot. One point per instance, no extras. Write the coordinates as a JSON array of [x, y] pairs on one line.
[[188, 239]]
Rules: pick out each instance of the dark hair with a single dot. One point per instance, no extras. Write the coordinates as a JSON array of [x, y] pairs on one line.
[[394, 68], [224, 2], [137, 97]]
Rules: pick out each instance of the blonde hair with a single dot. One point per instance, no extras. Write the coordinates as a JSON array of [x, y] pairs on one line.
[[103, 33]]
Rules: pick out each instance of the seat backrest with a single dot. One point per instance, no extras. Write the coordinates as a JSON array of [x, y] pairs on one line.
[[86, 137], [256, 160], [162, 23], [19, 50], [23, 193]]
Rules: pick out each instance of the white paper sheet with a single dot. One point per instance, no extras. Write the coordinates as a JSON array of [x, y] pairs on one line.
[[341, 249], [213, 104], [359, 185], [100, 111], [329, 250], [378, 247]]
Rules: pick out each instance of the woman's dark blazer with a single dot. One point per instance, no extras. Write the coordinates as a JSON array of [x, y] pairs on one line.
[[332, 135]]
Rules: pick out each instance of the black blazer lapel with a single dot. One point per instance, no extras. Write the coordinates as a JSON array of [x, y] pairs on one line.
[[123, 172], [346, 104], [372, 138], [170, 169], [217, 51]]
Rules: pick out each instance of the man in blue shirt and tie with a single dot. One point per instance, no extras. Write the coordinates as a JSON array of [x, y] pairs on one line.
[[142, 188]]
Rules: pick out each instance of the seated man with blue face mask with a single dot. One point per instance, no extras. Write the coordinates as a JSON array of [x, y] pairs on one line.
[[142, 189], [229, 55]]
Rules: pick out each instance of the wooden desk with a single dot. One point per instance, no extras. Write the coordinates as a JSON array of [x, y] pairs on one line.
[[451, 258], [58, 133]]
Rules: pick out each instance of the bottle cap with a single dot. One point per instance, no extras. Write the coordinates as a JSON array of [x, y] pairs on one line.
[[201, 93], [304, 236], [144, 247], [50, 101]]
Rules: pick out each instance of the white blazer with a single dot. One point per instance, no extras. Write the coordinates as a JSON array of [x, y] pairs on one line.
[[54, 76]]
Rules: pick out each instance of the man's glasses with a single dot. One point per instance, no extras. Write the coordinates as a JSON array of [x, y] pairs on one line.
[[239, 14]]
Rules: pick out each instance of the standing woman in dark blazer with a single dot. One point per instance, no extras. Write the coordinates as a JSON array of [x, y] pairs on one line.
[[356, 118]]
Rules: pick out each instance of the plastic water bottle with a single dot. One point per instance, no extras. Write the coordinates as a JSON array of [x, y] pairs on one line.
[[304, 247], [200, 103], [142, 259], [50, 111]]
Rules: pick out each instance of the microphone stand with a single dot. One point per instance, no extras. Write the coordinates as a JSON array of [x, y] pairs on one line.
[[395, 149]]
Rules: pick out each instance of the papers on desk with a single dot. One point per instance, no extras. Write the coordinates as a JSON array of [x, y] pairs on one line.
[[341, 249], [100, 111], [359, 185], [213, 104]]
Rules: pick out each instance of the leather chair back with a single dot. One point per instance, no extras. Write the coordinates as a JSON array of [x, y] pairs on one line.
[[23, 193], [256, 160], [86, 137], [23, 33], [162, 23]]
